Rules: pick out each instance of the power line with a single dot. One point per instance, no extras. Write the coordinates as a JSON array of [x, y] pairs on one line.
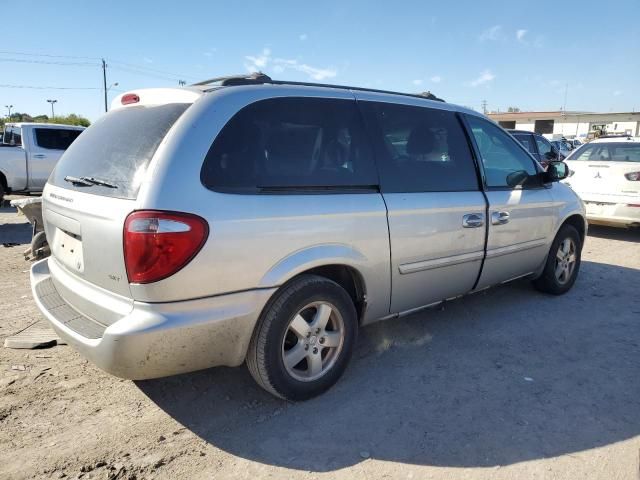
[[47, 62], [5, 52], [37, 87]]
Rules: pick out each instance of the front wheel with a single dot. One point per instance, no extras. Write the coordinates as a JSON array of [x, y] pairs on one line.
[[563, 263], [304, 339]]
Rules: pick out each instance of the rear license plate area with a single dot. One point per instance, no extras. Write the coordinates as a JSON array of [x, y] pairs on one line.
[[67, 249]]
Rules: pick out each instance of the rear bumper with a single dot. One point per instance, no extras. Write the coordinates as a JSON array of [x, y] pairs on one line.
[[156, 339], [613, 214]]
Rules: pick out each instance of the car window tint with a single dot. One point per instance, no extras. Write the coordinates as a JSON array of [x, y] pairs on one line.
[[289, 143], [526, 140], [117, 148], [420, 149], [505, 163], [55, 138]]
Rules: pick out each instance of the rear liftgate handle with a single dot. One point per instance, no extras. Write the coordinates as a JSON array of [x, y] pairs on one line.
[[473, 220]]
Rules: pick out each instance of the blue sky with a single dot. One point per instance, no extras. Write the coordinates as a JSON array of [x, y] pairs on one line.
[[508, 53]]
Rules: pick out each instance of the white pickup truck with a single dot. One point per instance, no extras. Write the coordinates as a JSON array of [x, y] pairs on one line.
[[28, 153]]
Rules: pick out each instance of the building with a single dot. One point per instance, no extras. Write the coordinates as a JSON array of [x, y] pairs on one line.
[[571, 124]]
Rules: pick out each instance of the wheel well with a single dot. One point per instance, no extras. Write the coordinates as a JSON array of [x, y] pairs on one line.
[[348, 278], [577, 222]]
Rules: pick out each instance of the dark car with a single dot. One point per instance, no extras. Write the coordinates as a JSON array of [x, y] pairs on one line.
[[537, 145]]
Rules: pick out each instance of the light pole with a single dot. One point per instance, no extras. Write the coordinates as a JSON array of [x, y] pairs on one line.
[[9, 107], [52, 102]]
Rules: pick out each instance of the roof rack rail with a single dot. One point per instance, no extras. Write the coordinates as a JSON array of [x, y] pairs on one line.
[[257, 78], [231, 80], [427, 95]]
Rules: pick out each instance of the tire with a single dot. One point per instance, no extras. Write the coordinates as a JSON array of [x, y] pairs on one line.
[[2, 193], [550, 281], [280, 334]]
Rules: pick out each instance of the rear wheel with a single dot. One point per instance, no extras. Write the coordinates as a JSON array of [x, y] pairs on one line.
[[304, 339], [563, 263], [2, 193]]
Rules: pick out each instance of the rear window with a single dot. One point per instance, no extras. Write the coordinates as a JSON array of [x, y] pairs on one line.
[[608, 152], [117, 149], [288, 144], [12, 136], [55, 138]]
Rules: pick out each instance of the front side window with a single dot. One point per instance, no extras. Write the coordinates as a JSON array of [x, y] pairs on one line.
[[544, 147], [420, 149], [291, 143], [506, 164], [526, 141], [55, 138]]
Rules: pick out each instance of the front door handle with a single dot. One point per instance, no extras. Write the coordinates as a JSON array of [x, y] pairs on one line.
[[473, 220], [39, 155], [499, 218]]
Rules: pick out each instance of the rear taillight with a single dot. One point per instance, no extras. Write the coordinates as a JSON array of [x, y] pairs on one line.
[[157, 244], [633, 176]]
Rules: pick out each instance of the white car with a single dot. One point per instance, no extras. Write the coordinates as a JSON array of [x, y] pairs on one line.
[[605, 173], [28, 153]]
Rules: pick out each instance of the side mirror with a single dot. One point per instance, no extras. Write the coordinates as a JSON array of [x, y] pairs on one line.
[[555, 172]]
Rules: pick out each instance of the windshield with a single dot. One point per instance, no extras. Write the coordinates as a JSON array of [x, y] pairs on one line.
[[608, 152], [116, 150]]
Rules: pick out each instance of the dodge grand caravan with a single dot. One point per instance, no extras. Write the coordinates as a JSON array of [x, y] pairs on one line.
[[248, 219]]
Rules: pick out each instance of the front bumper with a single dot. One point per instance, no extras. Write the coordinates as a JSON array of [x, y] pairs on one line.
[[156, 339]]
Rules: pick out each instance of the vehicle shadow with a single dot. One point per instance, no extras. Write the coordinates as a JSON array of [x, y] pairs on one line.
[[496, 378], [613, 233]]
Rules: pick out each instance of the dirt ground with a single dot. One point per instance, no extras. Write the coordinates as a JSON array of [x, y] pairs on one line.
[[507, 384]]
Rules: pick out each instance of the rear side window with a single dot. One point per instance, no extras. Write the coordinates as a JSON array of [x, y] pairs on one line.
[[117, 149], [55, 138], [291, 144], [420, 149]]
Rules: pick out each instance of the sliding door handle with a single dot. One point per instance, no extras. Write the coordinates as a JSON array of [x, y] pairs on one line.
[[473, 220], [499, 218]]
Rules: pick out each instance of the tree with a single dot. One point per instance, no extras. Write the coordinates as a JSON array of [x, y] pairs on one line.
[[71, 119], [513, 110]]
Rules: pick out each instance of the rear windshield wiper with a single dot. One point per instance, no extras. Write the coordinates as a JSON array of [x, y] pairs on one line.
[[77, 181], [97, 181], [88, 181]]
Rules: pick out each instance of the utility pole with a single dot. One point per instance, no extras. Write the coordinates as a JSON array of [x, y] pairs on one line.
[[52, 102], [104, 83], [9, 107], [484, 107]]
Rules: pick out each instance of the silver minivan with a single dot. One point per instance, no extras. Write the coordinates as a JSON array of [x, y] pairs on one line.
[[248, 219]]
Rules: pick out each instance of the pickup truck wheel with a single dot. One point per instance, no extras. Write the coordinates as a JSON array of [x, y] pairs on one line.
[[304, 339], [563, 263], [2, 192]]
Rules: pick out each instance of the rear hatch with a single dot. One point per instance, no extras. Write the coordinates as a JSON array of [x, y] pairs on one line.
[[91, 191], [606, 172]]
